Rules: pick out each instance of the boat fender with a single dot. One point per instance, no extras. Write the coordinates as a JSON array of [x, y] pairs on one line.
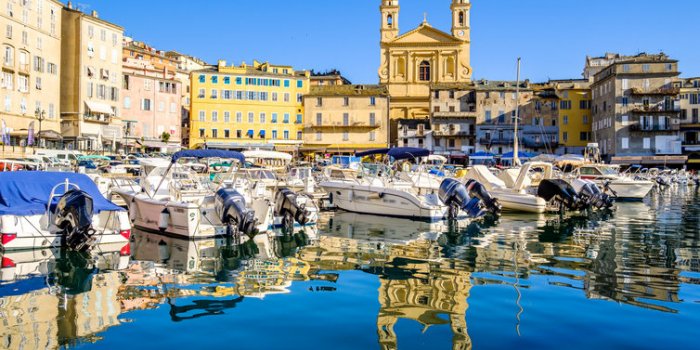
[[350, 195], [330, 198], [132, 210], [164, 219]]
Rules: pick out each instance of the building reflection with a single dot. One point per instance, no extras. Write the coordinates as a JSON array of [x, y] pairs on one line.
[[52, 298]]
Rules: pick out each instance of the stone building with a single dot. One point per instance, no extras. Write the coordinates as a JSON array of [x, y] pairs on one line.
[[331, 77], [415, 133], [30, 76], [596, 64], [412, 61], [346, 118], [151, 98], [690, 117], [453, 121], [574, 114], [635, 110], [91, 74]]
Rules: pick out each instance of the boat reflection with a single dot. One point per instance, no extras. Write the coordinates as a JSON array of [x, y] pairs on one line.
[[53, 298]]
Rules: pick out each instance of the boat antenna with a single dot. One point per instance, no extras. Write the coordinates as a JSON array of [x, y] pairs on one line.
[[516, 159]]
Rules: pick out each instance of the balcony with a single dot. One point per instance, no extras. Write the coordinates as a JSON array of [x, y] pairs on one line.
[[654, 127], [503, 141], [454, 133], [24, 68], [340, 126], [540, 144], [654, 109], [97, 118], [656, 92]]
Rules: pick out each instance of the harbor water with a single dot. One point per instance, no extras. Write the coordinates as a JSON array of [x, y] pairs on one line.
[[629, 278]]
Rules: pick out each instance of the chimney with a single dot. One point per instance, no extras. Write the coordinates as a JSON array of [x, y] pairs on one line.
[[70, 5], [94, 14], [222, 63]]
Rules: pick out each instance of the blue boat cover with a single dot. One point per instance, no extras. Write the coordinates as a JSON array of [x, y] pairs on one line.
[[208, 153], [521, 155], [23, 286], [27, 192], [398, 153]]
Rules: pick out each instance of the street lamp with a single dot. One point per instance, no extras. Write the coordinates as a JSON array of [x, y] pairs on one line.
[[40, 116]]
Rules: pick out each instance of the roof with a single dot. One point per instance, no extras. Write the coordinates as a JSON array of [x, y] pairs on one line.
[[429, 32], [249, 70], [483, 85], [413, 123], [93, 18], [349, 90]]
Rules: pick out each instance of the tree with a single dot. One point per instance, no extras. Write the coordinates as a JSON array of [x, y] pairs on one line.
[[165, 136]]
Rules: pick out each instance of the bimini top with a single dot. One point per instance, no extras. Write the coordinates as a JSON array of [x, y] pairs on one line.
[[27, 192], [208, 153], [398, 153]]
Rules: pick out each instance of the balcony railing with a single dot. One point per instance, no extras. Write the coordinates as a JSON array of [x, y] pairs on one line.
[[654, 127], [503, 141], [97, 118], [340, 126], [660, 91], [655, 108], [444, 133]]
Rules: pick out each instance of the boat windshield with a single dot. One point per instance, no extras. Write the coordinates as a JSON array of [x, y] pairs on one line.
[[261, 174], [300, 173], [609, 170]]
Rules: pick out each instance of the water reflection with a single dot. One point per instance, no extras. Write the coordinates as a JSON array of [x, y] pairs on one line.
[[641, 254]]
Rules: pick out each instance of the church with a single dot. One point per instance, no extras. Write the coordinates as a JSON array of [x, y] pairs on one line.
[[413, 61]]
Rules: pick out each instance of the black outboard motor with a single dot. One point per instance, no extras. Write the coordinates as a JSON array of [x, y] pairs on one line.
[[455, 195], [591, 194], [561, 192], [287, 207], [73, 216], [231, 208], [476, 189]]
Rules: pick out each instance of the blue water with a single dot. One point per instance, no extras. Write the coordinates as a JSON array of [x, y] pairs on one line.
[[627, 279]]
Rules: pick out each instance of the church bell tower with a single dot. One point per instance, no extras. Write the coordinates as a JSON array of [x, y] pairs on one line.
[[390, 20], [460, 19]]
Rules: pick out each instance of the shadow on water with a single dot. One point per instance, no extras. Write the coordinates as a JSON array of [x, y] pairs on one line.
[[640, 254]]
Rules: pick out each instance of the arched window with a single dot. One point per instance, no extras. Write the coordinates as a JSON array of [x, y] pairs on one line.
[[461, 18], [424, 71], [390, 21]]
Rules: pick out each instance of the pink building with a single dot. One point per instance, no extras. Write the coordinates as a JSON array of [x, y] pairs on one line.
[[151, 103]]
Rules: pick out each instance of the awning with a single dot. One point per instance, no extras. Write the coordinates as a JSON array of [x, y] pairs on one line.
[[50, 135], [155, 144], [251, 132], [99, 107], [262, 133]]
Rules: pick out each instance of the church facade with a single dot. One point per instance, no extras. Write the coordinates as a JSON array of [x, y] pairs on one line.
[[413, 61]]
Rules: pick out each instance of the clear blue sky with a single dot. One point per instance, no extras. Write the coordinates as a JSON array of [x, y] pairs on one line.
[[552, 36]]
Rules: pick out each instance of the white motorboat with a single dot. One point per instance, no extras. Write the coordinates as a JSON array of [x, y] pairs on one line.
[[608, 177], [513, 198], [175, 200], [376, 191], [46, 209]]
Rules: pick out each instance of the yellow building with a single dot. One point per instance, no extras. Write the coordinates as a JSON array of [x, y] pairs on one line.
[[248, 106], [30, 75], [346, 118], [574, 114], [413, 61]]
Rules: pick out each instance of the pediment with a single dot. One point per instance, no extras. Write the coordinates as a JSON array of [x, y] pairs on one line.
[[425, 34]]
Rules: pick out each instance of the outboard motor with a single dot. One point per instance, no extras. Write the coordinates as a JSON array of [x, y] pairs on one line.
[[73, 216], [589, 193], [455, 195], [477, 190], [231, 208], [287, 206], [561, 192]]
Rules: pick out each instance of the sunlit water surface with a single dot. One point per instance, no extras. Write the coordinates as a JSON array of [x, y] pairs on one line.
[[627, 279]]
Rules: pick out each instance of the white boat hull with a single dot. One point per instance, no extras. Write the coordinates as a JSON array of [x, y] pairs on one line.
[[520, 202], [631, 189]]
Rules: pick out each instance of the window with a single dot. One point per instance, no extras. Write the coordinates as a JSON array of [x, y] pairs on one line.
[[299, 135], [239, 134], [346, 101], [299, 118], [38, 83], [646, 143], [346, 119], [626, 68], [286, 97], [487, 116], [565, 120], [214, 94], [227, 117], [286, 83], [319, 119], [274, 97], [625, 101], [214, 116], [286, 118], [501, 116], [319, 136], [239, 117], [300, 84], [127, 102], [214, 79], [161, 106], [227, 80], [23, 83], [214, 133], [227, 133], [274, 118], [202, 79], [201, 132], [202, 116], [645, 68], [625, 143], [263, 118], [565, 136], [583, 136], [286, 134], [565, 105], [625, 84], [585, 119], [202, 92], [274, 134], [372, 119], [424, 71], [372, 101], [251, 117], [346, 136]]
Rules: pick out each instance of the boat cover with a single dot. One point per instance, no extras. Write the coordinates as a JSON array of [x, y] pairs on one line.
[[27, 192], [208, 153], [398, 153]]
